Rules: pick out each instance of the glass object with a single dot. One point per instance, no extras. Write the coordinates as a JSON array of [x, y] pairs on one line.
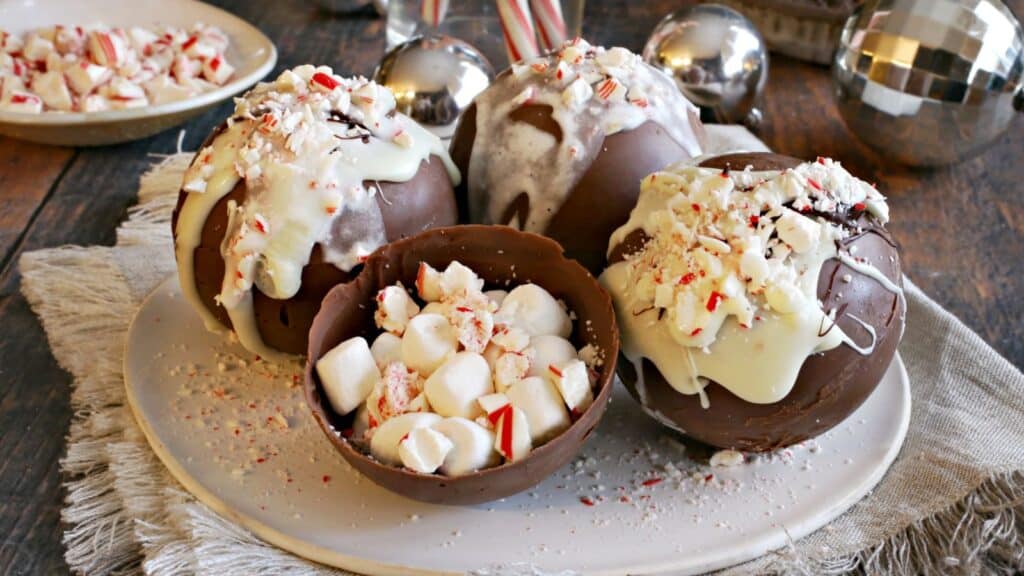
[[472, 21]]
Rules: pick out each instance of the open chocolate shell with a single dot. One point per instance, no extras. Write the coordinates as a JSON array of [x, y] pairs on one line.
[[503, 257], [830, 385]]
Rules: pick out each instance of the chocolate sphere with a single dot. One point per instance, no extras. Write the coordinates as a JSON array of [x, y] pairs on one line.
[[559, 145], [830, 385], [304, 196]]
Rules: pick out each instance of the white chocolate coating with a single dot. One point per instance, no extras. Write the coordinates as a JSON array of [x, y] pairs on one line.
[[726, 288], [304, 144], [594, 93]]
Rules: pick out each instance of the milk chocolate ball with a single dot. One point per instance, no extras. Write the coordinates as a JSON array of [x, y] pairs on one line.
[[830, 385]]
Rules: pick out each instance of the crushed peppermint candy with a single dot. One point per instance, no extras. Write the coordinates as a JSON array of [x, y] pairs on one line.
[[98, 68]]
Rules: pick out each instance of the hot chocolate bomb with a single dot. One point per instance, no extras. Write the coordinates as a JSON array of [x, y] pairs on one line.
[[781, 317], [311, 174], [558, 145]]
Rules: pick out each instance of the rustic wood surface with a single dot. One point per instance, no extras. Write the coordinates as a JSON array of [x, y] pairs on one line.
[[962, 229]]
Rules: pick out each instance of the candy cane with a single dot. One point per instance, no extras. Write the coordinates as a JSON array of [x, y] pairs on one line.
[[517, 24], [433, 11], [550, 24]]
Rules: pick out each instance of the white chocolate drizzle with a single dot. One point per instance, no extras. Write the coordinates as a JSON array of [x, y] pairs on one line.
[[593, 93], [725, 288], [304, 144]]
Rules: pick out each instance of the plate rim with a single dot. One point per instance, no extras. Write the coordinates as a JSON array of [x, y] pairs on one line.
[[774, 541], [86, 119]]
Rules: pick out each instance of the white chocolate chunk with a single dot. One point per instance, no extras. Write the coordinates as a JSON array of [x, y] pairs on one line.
[[428, 283], [512, 435], [394, 309], [385, 441], [454, 387], [800, 232], [424, 450], [549, 350], [472, 446], [534, 310], [543, 405], [573, 382], [386, 348], [428, 341], [348, 373]]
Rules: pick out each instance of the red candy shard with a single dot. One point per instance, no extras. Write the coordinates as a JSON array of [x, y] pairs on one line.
[[325, 80], [714, 300], [687, 278], [652, 481]]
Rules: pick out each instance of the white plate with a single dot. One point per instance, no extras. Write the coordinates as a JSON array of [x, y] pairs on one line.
[[251, 53], [242, 440]]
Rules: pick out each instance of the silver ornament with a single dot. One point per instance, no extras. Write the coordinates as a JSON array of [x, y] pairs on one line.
[[434, 79], [930, 82], [717, 58]]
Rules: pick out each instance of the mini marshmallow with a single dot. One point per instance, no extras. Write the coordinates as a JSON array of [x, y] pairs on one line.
[[399, 391], [428, 283], [459, 278], [51, 87], [348, 373], [84, 76], [472, 446], [543, 406], [386, 348], [496, 296], [454, 387], [535, 310], [385, 441], [512, 434], [424, 450], [394, 309], [549, 351], [573, 382], [510, 368], [428, 341], [361, 423]]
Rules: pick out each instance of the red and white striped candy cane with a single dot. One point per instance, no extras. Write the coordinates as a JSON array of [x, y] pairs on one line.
[[517, 24], [550, 24], [433, 11]]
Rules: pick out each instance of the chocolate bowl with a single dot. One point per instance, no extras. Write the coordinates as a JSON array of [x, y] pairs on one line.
[[502, 257], [829, 386]]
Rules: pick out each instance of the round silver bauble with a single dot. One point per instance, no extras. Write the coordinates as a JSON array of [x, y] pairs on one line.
[[930, 82], [717, 58], [434, 79]]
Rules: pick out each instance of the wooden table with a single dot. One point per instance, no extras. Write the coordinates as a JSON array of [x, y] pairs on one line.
[[962, 230]]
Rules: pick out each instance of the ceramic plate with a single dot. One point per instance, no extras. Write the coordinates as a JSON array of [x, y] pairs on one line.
[[235, 432], [252, 54]]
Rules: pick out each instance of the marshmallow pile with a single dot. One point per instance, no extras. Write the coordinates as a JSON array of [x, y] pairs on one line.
[[76, 69], [466, 381]]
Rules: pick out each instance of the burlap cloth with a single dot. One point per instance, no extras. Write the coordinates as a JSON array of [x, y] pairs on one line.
[[953, 502]]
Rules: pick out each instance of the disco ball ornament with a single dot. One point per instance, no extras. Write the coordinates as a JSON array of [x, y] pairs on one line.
[[717, 58], [434, 79], [930, 82]]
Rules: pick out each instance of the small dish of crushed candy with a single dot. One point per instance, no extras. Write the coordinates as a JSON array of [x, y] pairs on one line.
[[102, 72]]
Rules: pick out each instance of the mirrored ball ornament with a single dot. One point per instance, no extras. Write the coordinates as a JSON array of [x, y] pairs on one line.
[[717, 58], [434, 79], [930, 82]]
